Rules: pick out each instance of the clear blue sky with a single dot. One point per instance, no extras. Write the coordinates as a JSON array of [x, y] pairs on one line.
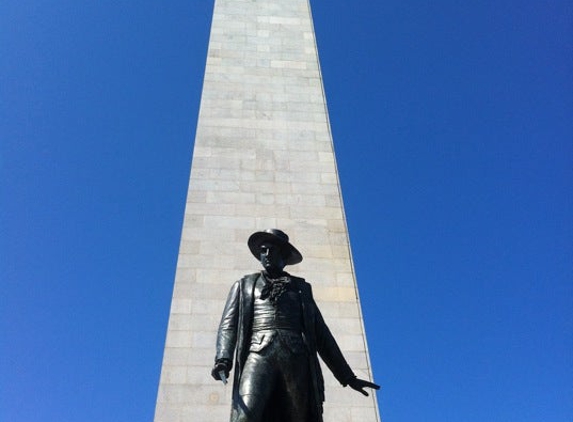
[[453, 126]]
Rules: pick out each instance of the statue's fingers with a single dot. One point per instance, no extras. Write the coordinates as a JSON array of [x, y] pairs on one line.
[[374, 386], [370, 384]]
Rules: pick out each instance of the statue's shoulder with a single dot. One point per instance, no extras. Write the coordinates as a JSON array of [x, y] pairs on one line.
[[252, 276], [249, 278], [298, 279], [304, 285]]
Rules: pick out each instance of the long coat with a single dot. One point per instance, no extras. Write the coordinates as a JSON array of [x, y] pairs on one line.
[[234, 337]]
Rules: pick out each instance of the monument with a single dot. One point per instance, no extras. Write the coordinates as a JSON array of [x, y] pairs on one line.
[[263, 157]]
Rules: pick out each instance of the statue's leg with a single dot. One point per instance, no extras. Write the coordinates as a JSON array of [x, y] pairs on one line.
[[296, 385], [255, 387]]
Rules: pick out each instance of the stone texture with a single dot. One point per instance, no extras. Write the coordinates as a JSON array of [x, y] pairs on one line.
[[263, 157]]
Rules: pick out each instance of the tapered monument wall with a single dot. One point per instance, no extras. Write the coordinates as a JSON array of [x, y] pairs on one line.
[[263, 158]]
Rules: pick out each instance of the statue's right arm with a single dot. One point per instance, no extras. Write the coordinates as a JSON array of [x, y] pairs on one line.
[[227, 334]]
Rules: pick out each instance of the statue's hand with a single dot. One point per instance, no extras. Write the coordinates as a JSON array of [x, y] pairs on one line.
[[358, 385], [221, 366]]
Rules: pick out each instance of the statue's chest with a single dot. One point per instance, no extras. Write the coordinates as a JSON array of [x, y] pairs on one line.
[[279, 309]]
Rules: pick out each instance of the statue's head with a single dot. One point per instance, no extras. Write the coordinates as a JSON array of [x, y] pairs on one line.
[[272, 248]]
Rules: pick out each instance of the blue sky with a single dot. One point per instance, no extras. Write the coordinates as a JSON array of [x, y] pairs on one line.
[[453, 131]]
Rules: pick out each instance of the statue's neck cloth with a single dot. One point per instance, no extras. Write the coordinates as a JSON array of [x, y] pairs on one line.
[[273, 288]]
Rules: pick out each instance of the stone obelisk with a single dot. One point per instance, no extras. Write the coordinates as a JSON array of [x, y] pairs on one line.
[[263, 158]]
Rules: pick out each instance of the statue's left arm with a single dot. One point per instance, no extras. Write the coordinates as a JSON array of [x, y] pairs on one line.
[[331, 355]]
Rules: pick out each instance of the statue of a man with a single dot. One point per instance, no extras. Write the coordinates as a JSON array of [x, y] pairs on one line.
[[273, 330]]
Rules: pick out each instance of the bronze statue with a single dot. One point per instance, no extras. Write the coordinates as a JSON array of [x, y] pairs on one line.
[[274, 329]]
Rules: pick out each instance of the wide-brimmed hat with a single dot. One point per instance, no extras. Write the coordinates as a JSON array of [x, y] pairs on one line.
[[276, 237]]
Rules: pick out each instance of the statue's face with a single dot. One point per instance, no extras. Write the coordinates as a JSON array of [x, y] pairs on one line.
[[271, 257]]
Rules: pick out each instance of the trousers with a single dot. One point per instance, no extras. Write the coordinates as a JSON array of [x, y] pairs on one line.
[[275, 382]]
